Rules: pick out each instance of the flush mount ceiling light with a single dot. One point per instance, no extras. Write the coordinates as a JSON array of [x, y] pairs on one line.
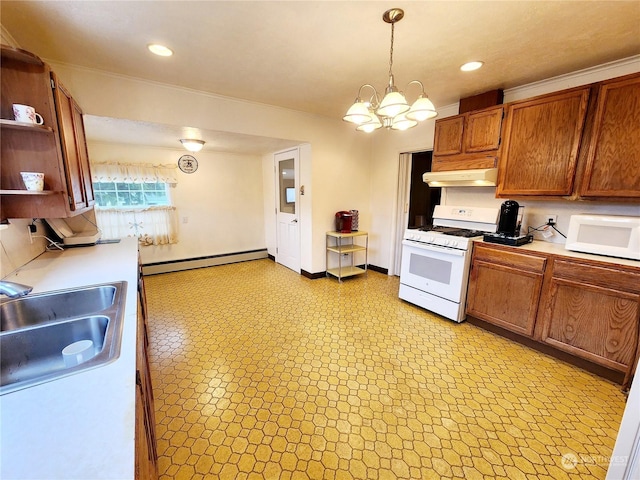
[[471, 66], [160, 50], [393, 111], [191, 144]]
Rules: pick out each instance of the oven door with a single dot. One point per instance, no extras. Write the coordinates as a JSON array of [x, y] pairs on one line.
[[436, 270]]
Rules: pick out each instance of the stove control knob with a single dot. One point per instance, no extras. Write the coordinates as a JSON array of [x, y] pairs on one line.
[[446, 242], [454, 243], [430, 239]]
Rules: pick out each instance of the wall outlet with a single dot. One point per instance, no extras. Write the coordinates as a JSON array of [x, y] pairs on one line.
[[550, 218]]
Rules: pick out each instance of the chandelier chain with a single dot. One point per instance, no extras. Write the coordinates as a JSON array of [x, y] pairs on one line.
[[391, 51]]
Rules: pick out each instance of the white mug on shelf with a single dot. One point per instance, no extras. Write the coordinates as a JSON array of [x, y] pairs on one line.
[[26, 114], [34, 181]]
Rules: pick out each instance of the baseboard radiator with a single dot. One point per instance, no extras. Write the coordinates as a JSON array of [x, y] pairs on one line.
[[201, 262]]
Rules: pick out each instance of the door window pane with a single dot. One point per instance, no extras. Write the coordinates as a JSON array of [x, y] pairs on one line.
[[287, 184]]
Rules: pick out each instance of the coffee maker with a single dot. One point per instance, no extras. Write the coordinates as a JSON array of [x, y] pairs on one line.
[[344, 221], [510, 218], [509, 224]]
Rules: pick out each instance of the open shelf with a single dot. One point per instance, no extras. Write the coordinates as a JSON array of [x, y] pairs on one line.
[[5, 123], [348, 250], [345, 271], [27, 192]]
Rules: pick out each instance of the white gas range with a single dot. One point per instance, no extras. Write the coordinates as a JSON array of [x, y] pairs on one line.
[[435, 260]]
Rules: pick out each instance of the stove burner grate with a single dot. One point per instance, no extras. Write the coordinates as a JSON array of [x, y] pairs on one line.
[[457, 232]]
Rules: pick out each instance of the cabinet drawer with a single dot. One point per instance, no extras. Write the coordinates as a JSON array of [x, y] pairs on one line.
[[513, 259], [601, 276]]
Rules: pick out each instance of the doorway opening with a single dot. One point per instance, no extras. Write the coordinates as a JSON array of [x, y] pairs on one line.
[[422, 197], [416, 200]]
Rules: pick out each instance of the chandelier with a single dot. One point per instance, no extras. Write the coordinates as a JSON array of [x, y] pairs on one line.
[[393, 111]]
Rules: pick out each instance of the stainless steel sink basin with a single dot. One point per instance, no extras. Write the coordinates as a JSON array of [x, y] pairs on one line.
[[35, 330], [51, 306]]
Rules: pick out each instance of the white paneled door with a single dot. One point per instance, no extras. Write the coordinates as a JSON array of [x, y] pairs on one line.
[[287, 211]]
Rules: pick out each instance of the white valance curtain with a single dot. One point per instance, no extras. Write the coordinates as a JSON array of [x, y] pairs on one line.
[[152, 225], [157, 225], [134, 172]]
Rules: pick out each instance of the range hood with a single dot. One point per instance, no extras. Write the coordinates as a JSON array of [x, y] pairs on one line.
[[483, 177]]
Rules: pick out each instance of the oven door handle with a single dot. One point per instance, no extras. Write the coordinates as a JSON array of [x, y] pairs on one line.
[[445, 251]]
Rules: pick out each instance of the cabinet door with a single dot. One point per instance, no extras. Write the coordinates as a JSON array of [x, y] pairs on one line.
[[593, 313], [482, 130], [541, 142], [74, 154], [505, 296], [613, 162], [146, 454], [83, 154], [448, 136], [504, 288]]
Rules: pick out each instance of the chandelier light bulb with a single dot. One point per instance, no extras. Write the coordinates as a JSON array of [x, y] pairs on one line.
[[422, 109], [401, 122], [370, 126], [392, 104], [358, 113]]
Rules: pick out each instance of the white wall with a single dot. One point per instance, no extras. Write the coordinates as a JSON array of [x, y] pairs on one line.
[[220, 206]]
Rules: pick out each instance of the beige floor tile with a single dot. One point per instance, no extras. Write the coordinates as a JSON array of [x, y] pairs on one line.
[[261, 373]]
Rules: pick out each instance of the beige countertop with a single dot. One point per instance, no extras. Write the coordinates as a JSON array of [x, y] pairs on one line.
[[81, 426], [559, 250]]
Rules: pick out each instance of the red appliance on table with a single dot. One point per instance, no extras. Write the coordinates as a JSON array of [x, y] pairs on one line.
[[344, 222]]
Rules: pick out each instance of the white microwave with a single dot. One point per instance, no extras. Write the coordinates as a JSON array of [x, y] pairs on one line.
[[611, 235]]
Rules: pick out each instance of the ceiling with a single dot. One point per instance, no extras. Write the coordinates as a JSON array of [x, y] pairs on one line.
[[312, 56]]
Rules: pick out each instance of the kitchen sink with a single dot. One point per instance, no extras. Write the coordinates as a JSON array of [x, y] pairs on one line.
[[52, 306], [36, 329]]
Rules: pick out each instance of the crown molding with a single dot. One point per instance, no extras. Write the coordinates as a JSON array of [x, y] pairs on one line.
[[598, 73], [7, 38]]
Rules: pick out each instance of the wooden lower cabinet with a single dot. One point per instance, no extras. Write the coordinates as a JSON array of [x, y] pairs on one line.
[[589, 310], [504, 289], [146, 454], [592, 312]]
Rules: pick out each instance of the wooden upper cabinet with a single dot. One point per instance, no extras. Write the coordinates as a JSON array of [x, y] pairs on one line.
[[482, 130], [613, 160], [57, 148], [468, 141], [541, 142], [74, 148], [448, 136]]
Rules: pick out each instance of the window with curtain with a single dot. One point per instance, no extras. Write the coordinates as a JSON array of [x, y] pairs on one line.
[[134, 200]]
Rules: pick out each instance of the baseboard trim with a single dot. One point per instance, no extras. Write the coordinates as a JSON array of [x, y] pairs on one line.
[[313, 276], [379, 269], [202, 262]]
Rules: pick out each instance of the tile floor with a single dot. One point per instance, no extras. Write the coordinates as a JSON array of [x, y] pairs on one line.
[[261, 373]]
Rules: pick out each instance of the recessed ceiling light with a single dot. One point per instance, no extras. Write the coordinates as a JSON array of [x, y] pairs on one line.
[[471, 66], [160, 50]]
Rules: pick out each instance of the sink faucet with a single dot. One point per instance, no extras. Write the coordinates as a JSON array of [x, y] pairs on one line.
[[14, 290]]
